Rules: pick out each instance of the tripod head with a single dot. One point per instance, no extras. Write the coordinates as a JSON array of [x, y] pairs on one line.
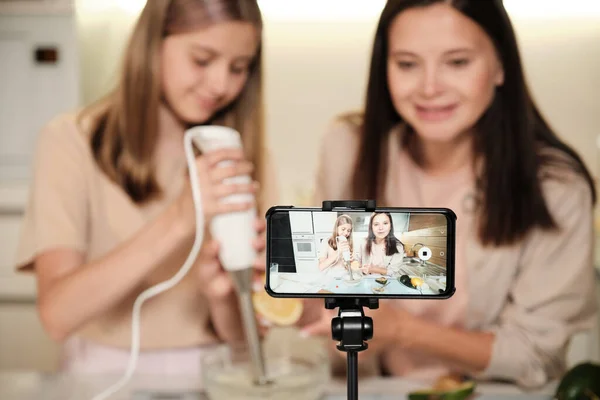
[[351, 328]]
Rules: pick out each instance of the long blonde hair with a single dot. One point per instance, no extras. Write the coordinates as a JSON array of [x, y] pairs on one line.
[[341, 220], [124, 133]]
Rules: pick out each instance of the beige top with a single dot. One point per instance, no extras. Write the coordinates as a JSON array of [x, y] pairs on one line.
[[337, 269], [533, 295], [74, 205], [378, 258]]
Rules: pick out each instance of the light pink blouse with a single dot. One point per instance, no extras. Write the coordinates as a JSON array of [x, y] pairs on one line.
[[533, 295]]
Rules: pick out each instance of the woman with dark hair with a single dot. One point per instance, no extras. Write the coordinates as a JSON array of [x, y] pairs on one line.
[[449, 122], [382, 252]]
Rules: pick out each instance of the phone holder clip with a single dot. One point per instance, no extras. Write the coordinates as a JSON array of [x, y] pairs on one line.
[[367, 205]]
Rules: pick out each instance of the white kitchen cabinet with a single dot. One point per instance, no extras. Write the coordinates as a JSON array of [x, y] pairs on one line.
[[301, 222], [324, 221], [38, 80]]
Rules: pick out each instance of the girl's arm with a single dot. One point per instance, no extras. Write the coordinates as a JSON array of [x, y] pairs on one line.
[[72, 292], [326, 262]]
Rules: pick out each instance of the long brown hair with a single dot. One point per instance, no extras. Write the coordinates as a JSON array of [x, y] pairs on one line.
[[391, 241], [341, 220], [124, 133], [512, 137]]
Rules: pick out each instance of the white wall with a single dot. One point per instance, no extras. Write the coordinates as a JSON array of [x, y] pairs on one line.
[[316, 56], [314, 70], [103, 27], [562, 63]]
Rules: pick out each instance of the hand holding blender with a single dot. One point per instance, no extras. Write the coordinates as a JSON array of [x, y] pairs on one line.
[[237, 252], [345, 253], [235, 233]]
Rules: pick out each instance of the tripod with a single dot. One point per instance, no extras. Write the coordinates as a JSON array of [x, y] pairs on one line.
[[351, 328]]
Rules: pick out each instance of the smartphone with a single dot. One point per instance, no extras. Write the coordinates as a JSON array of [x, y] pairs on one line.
[[386, 253]]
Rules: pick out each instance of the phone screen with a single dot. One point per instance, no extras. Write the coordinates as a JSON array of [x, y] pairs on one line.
[[392, 252]]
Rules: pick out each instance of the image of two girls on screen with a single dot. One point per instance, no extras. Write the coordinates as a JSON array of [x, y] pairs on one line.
[[381, 252]]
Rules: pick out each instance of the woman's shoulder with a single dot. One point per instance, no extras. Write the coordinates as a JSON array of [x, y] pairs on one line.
[[400, 246], [63, 131], [564, 186], [337, 154], [61, 122], [349, 126], [344, 127], [559, 172], [351, 118], [71, 128]]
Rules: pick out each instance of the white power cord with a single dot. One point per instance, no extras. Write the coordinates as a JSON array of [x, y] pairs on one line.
[[166, 285]]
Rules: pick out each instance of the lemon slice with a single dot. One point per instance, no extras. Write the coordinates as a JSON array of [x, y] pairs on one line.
[[448, 382], [276, 310], [416, 282]]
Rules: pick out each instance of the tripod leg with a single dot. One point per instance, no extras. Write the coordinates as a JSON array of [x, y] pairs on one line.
[[352, 375]]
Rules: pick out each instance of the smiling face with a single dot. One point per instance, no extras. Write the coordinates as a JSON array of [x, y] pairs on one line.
[[381, 226], [442, 71], [205, 70]]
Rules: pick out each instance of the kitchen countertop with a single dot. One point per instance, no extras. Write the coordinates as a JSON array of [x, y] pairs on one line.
[[289, 282], [37, 386]]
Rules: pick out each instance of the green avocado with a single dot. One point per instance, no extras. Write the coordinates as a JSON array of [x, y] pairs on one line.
[[582, 382], [460, 393], [405, 280]]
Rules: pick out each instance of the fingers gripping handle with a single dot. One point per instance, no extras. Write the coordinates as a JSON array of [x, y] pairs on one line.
[[234, 231]]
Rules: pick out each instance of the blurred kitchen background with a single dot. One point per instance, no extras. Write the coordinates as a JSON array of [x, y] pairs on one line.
[[56, 55]]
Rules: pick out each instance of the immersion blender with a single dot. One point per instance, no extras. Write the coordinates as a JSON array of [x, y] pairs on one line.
[[345, 255], [235, 233]]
